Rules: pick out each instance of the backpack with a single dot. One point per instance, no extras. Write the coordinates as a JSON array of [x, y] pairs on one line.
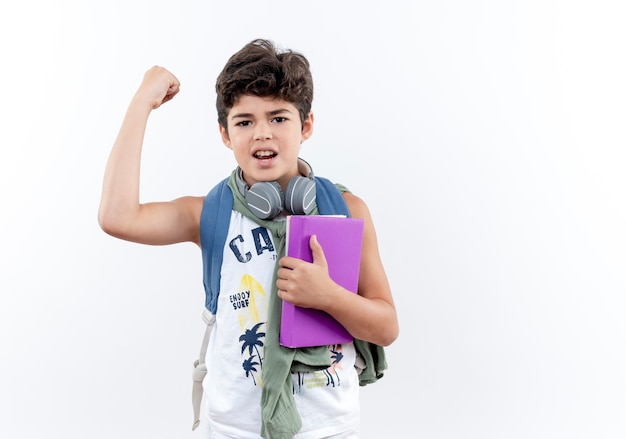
[[214, 224]]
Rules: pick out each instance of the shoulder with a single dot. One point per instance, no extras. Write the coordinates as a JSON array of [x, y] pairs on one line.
[[190, 204], [357, 207]]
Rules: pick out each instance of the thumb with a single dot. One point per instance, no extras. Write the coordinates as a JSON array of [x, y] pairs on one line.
[[317, 251]]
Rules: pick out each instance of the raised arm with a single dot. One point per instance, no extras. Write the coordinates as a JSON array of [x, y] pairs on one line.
[[121, 214]]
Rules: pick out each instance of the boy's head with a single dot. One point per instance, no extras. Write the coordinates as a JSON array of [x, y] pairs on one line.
[[261, 69]]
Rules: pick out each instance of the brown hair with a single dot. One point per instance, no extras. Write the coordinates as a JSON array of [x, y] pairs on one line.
[[261, 69]]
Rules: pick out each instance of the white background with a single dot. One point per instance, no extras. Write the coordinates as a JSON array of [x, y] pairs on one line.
[[487, 137]]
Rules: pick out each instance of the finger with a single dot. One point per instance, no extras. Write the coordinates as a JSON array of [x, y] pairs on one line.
[[288, 262], [318, 252], [283, 273], [280, 283], [280, 291], [170, 93]]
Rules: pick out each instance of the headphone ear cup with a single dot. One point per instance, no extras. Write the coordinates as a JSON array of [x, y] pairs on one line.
[[265, 199], [300, 195]]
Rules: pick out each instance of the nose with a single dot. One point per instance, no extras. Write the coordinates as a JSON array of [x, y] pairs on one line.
[[262, 131]]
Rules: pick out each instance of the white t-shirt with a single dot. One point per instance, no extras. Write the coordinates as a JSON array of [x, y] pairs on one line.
[[327, 401]]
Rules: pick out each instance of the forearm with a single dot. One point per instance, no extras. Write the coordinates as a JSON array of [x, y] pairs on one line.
[[372, 320]]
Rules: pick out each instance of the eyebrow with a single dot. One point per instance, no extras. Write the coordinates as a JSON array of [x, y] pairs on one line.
[[269, 113]]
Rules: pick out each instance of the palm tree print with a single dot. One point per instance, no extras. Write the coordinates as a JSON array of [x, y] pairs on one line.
[[330, 381], [309, 380], [248, 366], [336, 356], [252, 340], [301, 378]]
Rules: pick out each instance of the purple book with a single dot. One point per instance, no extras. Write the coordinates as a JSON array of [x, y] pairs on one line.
[[341, 238]]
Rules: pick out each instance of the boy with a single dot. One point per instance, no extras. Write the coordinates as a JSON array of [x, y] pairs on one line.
[[264, 98]]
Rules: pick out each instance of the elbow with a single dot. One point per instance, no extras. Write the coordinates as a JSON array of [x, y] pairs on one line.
[[106, 226], [109, 222], [389, 329], [389, 336], [383, 335]]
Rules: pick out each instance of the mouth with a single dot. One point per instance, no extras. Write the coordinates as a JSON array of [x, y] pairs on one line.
[[264, 155]]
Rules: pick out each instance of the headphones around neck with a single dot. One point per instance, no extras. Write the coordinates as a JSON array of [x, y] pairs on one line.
[[266, 199]]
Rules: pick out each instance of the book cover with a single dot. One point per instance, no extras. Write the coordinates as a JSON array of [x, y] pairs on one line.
[[341, 238]]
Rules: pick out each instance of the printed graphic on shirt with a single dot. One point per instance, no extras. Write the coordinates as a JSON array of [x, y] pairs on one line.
[[254, 250], [262, 243], [250, 302], [246, 304], [252, 341], [323, 378], [252, 338]]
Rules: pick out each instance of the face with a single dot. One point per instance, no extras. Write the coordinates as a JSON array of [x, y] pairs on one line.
[[265, 135]]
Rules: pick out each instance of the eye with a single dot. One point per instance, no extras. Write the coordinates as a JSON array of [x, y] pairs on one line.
[[279, 119], [243, 123]]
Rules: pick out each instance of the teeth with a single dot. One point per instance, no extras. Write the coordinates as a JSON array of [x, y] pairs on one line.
[[264, 154]]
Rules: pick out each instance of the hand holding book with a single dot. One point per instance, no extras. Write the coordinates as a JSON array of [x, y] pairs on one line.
[[337, 251], [306, 284]]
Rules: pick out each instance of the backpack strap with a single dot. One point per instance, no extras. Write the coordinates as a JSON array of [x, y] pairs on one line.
[[329, 199], [199, 369], [214, 223]]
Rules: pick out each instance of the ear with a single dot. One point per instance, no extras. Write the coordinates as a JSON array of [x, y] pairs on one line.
[[307, 127], [225, 137]]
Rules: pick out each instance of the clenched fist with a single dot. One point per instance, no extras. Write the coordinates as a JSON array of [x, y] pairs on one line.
[[158, 86]]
